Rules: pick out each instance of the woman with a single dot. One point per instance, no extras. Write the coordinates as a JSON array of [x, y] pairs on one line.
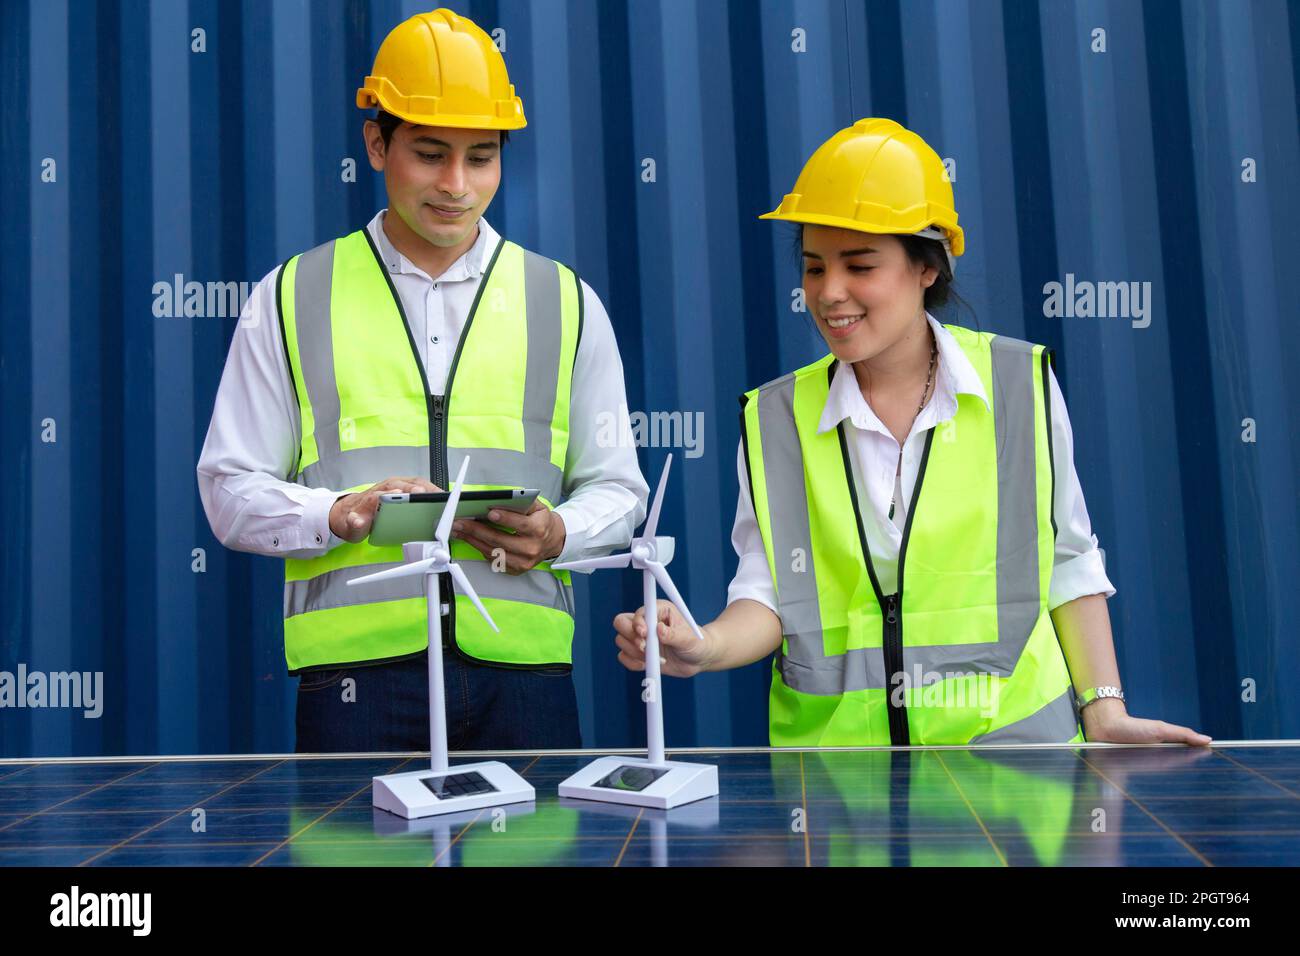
[[913, 542]]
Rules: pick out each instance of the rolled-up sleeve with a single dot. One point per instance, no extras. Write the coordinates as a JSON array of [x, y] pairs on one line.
[[753, 578], [1079, 568]]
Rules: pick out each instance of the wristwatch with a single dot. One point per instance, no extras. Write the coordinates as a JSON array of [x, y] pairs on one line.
[[1097, 693]]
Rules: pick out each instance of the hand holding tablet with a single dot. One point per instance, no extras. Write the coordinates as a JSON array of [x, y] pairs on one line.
[[404, 516], [352, 515]]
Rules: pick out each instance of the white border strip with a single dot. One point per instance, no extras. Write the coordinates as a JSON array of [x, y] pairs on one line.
[[178, 758]]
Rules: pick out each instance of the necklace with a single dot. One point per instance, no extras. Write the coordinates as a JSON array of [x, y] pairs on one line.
[[925, 392]]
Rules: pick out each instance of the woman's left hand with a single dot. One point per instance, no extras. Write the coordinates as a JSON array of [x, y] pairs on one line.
[[1108, 721]]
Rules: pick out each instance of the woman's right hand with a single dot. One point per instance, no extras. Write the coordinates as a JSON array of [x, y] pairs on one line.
[[681, 653]]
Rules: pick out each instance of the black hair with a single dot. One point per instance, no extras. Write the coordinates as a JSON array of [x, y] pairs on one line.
[[388, 123], [923, 252]]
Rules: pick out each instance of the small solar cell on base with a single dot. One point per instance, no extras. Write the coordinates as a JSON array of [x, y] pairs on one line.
[[457, 785]]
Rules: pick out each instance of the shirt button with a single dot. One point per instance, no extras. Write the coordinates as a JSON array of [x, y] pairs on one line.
[[318, 541], [435, 287], [435, 340], [275, 542]]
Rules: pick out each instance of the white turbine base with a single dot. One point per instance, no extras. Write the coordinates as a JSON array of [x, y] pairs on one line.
[[406, 794], [679, 783]]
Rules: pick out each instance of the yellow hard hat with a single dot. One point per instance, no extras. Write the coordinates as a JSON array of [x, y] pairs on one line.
[[874, 176], [440, 69]]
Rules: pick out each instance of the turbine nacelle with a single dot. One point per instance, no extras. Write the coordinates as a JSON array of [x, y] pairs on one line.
[[648, 553], [658, 550], [426, 551]]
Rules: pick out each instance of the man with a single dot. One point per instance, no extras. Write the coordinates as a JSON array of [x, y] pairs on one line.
[[376, 362]]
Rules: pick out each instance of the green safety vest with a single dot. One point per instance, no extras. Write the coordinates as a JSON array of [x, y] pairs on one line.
[[367, 414], [964, 651]]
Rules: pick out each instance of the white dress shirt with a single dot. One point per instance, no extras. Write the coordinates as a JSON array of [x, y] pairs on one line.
[[252, 443], [873, 458]]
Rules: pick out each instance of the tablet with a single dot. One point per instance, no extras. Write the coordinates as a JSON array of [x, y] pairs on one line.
[[413, 516]]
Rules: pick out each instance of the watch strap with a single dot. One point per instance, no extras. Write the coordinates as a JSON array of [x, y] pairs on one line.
[[1097, 693]]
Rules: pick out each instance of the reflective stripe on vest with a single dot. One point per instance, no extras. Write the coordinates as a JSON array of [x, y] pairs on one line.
[[974, 568], [367, 414]]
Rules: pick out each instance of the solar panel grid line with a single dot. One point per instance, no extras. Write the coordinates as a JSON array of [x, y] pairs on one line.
[[1143, 808], [974, 812], [1263, 776], [74, 797], [318, 819], [165, 821], [463, 830], [628, 839]]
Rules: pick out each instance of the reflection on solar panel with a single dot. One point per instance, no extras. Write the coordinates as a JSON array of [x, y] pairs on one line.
[[457, 785], [1090, 805]]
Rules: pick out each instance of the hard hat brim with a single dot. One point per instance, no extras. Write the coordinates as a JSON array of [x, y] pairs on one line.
[[372, 99], [956, 238]]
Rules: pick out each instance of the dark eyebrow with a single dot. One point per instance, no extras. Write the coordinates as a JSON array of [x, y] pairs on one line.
[[433, 141], [844, 254]]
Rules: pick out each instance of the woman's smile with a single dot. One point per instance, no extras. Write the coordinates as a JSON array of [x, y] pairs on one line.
[[843, 325]]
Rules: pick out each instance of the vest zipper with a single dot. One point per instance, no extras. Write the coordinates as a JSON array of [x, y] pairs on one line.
[[892, 644], [891, 605], [438, 452], [438, 475], [437, 445], [439, 409]]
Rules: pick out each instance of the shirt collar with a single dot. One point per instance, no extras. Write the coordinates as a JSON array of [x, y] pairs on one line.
[[955, 375], [468, 266]]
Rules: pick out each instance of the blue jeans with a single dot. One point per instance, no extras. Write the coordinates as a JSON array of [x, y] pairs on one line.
[[488, 708]]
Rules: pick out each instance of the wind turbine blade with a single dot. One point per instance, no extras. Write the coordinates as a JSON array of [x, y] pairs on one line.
[[449, 510], [651, 522], [406, 570], [467, 589], [583, 564], [670, 589]]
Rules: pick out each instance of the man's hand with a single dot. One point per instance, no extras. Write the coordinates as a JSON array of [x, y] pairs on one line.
[[538, 536], [352, 515]]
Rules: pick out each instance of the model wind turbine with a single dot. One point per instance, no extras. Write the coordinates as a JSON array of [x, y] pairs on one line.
[[652, 781], [443, 789]]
